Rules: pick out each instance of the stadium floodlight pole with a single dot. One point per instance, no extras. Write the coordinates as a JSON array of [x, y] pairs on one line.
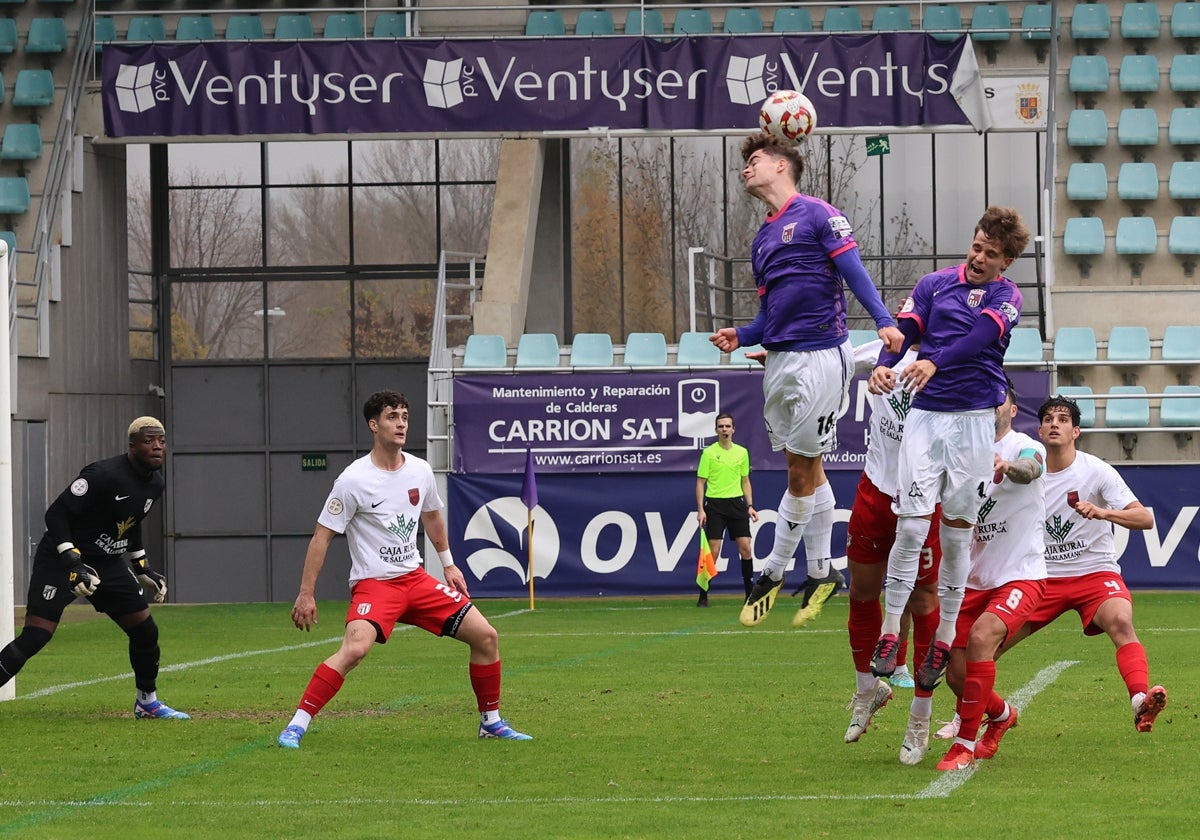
[[7, 596]]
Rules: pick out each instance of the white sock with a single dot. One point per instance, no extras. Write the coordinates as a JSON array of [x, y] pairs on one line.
[[952, 578], [922, 707], [903, 563], [968, 744], [795, 513], [864, 682], [302, 719], [901, 670], [1004, 715], [819, 534], [147, 697], [490, 717]]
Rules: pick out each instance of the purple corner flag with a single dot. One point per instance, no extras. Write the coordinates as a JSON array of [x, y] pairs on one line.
[[529, 486]]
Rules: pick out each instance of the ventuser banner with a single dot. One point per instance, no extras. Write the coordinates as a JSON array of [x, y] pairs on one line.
[[516, 85]]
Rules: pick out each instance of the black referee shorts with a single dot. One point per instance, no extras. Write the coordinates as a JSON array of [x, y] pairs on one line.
[[732, 515]]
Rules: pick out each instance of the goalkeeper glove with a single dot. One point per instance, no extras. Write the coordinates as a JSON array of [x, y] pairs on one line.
[[150, 580], [81, 578]]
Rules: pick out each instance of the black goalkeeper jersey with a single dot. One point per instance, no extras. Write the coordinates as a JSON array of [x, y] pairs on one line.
[[101, 511]]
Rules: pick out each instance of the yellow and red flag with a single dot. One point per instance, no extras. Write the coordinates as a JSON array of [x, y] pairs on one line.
[[706, 566]]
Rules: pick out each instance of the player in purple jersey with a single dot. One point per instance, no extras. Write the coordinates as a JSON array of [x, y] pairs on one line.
[[802, 256], [963, 318]]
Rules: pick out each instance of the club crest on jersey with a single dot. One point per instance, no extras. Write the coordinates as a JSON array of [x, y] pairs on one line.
[[414, 496], [789, 230], [908, 306], [335, 506], [149, 504], [48, 593], [79, 487], [975, 297], [363, 609]]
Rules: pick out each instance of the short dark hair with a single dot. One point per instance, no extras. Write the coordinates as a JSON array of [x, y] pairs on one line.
[[1059, 401], [380, 400], [725, 414], [1012, 389], [1003, 226], [775, 147]]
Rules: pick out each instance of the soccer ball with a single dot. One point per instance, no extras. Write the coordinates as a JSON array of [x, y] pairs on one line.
[[788, 115]]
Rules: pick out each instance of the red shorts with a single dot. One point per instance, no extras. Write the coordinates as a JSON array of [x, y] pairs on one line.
[[1013, 603], [1084, 594], [417, 598], [872, 530]]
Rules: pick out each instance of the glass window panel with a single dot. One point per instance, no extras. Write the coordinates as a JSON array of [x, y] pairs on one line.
[[467, 217], [308, 226], [959, 202], [216, 320], [595, 234], [142, 343], [907, 217], [137, 190], [386, 161], [213, 227], [308, 162], [395, 225], [393, 319], [308, 319], [214, 164], [646, 241], [1014, 172], [475, 159]]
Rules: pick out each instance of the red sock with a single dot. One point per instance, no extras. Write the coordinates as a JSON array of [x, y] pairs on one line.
[[1135, 670], [923, 628], [864, 624], [977, 691], [485, 682], [902, 651], [995, 706], [324, 684]]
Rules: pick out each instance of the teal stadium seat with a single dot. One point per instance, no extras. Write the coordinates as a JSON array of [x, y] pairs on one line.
[[195, 28], [1185, 20], [943, 22], [1038, 22], [1088, 74], [547, 23], [293, 27], [645, 349], [145, 30], [343, 26], [595, 22], [1139, 74], [1180, 411], [1184, 182], [1127, 413], [8, 36], [1137, 182], [14, 195], [738, 356], [1128, 344], [1183, 239], [644, 22], [1091, 22], [696, 350], [592, 350], [990, 22], [1087, 407], [1185, 73], [1184, 127], [742, 20], [1137, 127], [693, 22], [1087, 182], [891, 19], [1087, 129], [47, 36], [1140, 21], [861, 337], [1075, 344], [104, 32], [485, 351], [792, 20], [390, 25], [2, 90], [244, 28], [537, 350], [1181, 344], [22, 141], [1136, 236], [33, 88], [1024, 347], [1083, 236], [841, 19]]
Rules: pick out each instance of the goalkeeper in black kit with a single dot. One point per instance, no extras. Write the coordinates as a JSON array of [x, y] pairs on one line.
[[93, 549]]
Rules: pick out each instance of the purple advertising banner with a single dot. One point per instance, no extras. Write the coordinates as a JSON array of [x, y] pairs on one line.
[[618, 535], [653, 421], [534, 85]]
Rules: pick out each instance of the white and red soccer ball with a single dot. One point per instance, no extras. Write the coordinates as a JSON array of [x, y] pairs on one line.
[[788, 115]]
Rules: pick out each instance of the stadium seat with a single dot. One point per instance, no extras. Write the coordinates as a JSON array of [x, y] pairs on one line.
[[1137, 127], [47, 35], [646, 349], [841, 19], [1185, 20], [1140, 21], [1127, 413], [145, 30], [1185, 73], [293, 27], [1184, 183], [943, 22], [1024, 347], [1075, 344], [1083, 236], [644, 22], [104, 32], [244, 28], [990, 22], [391, 25], [1181, 344], [1038, 22], [595, 22], [195, 28], [485, 351], [738, 356], [1184, 127], [1128, 344], [693, 22], [1137, 182], [740, 20], [33, 88], [792, 20], [1139, 74], [537, 350], [891, 19], [1087, 128], [22, 141], [1088, 74], [1183, 238], [1091, 22], [1087, 182], [592, 350], [696, 349], [2, 91], [1087, 407], [8, 35], [14, 195], [1135, 236], [343, 26], [859, 337], [1180, 411], [545, 23]]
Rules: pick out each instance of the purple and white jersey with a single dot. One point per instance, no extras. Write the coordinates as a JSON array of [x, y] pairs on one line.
[[946, 307], [799, 287]]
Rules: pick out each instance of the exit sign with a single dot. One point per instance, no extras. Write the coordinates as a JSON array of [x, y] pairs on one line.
[[313, 462], [878, 145]]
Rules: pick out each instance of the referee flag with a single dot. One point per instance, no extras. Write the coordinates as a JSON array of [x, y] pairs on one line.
[[529, 486], [706, 566]]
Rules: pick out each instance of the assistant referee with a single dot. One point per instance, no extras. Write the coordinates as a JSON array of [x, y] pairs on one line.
[[724, 498]]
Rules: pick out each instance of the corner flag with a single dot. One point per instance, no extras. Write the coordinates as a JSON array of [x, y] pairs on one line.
[[706, 566]]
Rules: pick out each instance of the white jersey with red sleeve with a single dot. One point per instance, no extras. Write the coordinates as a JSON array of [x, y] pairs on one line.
[[1009, 544], [1075, 545], [886, 426], [378, 510]]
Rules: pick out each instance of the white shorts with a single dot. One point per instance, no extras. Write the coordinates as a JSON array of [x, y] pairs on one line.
[[805, 392], [945, 457]]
